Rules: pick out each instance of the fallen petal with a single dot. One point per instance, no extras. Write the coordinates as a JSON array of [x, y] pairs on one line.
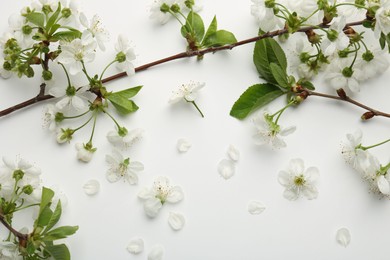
[[226, 168], [343, 237], [156, 253], [256, 207], [91, 187], [233, 153], [183, 145], [135, 246], [176, 220]]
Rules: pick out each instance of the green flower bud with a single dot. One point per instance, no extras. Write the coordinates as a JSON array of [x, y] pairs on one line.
[[7, 66], [343, 53], [47, 75], [368, 56], [27, 29], [18, 175], [59, 117], [122, 131], [46, 9], [66, 12], [28, 189], [347, 72], [269, 3], [121, 57], [175, 8], [70, 91], [164, 8], [189, 3], [29, 72], [332, 35]]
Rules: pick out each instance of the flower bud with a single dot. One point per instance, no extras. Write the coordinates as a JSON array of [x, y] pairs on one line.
[[18, 175], [28, 189], [27, 29], [175, 8], [47, 75], [66, 12], [164, 8], [59, 117], [120, 57], [341, 93], [312, 37], [29, 72], [368, 56], [189, 3], [367, 115], [46, 9], [7, 66]]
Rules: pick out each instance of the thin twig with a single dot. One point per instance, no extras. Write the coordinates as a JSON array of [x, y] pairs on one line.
[[41, 97], [20, 236]]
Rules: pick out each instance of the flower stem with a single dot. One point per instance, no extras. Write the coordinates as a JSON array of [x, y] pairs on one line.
[[375, 145], [197, 108]]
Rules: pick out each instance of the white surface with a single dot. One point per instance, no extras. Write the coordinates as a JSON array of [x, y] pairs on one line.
[[218, 225]]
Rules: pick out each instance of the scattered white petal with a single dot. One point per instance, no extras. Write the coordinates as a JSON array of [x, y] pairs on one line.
[[156, 253], [226, 168], [136, 245], [256, 207], [183, 145], [343, 237], [91, 187], [176, 220], [233, 153]]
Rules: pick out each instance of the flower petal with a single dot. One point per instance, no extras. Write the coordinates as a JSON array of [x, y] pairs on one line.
[[152, 206], [343, 236], [91, 187], [183, 145], [291, 193], [256, 207], [176, 220], [233, 153], [156, 253], [175, 194], [135, 246], [383, 185], [226, 168]]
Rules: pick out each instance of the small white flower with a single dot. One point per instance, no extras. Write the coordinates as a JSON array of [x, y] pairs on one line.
[[94, 30], [39, 5], [85, 152], [17, 23], [124, 138], [74, 53], [256, 207], [49, 117], [351, 151], [135, 246], [9, 251], [157, 14], [176, 220], [233, 153], [375, 66], [382, 18], [156, 253], [374, 173], [343, 237], [183, 145], [226, 168], [122, 168], [91, 187], [297, 180], [264, 16], [188, 92], [303, 7], [336, 39], [125, 54], [71, 98], [270, 133], [160, 193]]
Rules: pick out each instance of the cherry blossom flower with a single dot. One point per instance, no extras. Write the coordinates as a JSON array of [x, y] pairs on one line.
[[71, 98], [161, 192], [125, 54], [22, 31], [373, 62], [270, 133], [85, 151], [336, 39], [122, 168], [188, 92], [9, 251], [124, 138], [50, 117], [298, 181], [352, 152], [136, 245], [382, 18], [264, 15], [159, 11], [74, 53], [377, 176], [94, 31]]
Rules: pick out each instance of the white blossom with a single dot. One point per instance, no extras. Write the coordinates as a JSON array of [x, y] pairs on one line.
[[226, 168], [377, 177], [40, 4], [91, 187], [75, 52], [156, 13], [264, 16], [298, 181], [71, 98], [16, 24], [161, 192], [336, 39], [382, 18], [9, 251], [135, 246], [124, 138], [5, 74], [94, 31], [352, 152], [187, 92], [270, 133], [156, 253], [85, 152], [49, 117], [256, 207], [122, 168], [343, 237], [176, 220], [375, 66], [125, 54], [303, 8]]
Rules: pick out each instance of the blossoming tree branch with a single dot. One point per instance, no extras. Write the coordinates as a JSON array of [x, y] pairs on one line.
[[55, 33]]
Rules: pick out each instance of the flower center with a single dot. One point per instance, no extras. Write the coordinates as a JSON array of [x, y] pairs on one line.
[[299, 180]]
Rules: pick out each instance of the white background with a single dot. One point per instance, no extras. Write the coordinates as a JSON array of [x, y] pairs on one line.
[[218, 224]]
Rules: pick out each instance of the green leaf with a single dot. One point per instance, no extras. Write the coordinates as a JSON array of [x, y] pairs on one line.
[[279, 75], [122, 104], [255, 97], [60, 233], [36, 18], [382, 41], [219, 38], [211, 30], [44, 217], [194, 26], [129, 93], [54, 218], [66, 36], [306, 84], [47, 196], [58, 252], [268, 51], [53, 19]]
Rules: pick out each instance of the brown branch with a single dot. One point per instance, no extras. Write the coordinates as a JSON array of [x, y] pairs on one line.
[[21, 237], [41, 97]]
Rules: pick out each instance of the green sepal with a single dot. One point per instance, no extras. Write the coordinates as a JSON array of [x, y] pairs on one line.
[[219, 38], [255, 97], [36, 18], [268, 51], [279, 75], [194, 26], [58, 252]]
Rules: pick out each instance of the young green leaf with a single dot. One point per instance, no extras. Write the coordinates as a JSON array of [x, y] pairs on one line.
[[194, 26], [255, 97], [122, 104], [58, 252], [219, 38], [60, 233], [54, 218], [279, 75], [211, 30], [36, 18], [53, 18], [66, 36], [268, 51], [44, 217], [129, 93], [47, 196]]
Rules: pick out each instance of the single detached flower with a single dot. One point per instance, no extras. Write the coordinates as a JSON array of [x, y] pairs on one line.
[[124, 138], [161, 192], [269, 132], [352, 152], [298, 181], [377, 175], [74, 53], [122, 168], [85, 151], [187, 92], [51, 117], [125, 54], [94, 30]]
